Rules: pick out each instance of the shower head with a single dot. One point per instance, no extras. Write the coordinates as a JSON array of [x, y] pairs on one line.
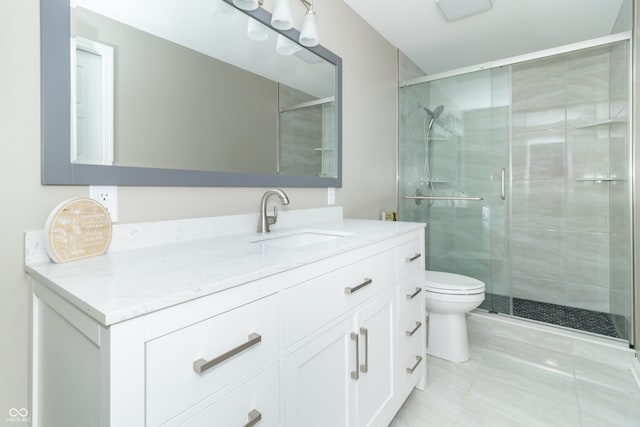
[[435, 113]]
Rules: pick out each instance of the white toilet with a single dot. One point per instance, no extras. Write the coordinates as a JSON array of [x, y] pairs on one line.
[[448, 297]]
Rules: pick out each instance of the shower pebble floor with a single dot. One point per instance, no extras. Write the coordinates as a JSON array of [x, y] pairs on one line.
[[576, 318], [526, 376]]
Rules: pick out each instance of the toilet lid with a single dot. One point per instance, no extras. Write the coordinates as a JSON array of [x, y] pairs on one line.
[[450, 283]]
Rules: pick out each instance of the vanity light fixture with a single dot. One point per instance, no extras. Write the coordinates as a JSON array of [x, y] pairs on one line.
[[282, 18], [454, 10], [309, 31], [247, 4]]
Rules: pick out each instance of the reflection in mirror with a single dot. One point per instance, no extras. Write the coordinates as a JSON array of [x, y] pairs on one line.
[[184, 100], [190, 92]]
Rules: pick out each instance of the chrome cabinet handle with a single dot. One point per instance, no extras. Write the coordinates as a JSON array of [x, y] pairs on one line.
[[413, 258], [418, 360], [415, 294], [254, 418], [202, 365], [355, 375], [414, 330], [365, 368], [349, 290], [503, 190]]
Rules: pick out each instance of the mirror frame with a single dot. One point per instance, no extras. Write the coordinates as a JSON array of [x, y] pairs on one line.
[[56, 165]]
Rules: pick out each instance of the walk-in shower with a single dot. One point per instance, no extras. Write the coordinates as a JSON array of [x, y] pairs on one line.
[[522, 171]]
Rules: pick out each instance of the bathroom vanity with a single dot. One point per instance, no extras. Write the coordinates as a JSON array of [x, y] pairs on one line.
[[318, 323]]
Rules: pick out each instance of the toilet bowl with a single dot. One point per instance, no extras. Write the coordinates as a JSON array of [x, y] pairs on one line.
[[448, 297]]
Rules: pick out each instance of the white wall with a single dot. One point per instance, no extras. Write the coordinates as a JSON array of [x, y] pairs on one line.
[[369, 79]]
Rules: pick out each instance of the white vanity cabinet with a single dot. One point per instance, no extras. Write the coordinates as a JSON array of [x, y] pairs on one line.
[[323, 343], [344, 376], [410, 333]]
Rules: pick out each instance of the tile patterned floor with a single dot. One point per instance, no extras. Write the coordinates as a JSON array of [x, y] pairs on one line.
[[519, 376], [596, 322]]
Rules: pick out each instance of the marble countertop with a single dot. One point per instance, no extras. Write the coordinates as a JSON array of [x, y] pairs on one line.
[[137, 279]]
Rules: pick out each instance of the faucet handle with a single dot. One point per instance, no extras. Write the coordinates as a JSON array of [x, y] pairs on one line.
[[271, 219]]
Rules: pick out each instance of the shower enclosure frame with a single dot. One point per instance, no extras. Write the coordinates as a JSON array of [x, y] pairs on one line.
[[546, 53]]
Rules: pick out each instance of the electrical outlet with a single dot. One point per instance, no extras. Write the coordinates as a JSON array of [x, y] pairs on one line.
[[331, 196], [107, 195]]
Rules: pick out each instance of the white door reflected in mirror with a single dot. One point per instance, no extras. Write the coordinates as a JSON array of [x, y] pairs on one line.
[[92, 103]]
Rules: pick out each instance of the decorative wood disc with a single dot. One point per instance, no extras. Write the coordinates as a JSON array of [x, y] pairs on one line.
[[76, 229]]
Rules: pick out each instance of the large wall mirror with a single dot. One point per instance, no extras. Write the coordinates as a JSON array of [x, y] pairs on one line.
[[184, 93]]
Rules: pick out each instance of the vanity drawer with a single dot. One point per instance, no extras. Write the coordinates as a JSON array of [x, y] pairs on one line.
[[314, 303], [410, 258], [411, 355], [257, 400], [410, 294], [233, 343]]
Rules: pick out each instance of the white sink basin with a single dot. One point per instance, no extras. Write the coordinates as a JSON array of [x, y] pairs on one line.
[[298, 238]]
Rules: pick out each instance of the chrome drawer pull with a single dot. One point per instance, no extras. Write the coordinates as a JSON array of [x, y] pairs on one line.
[[415, 294], [410, 370], [410, 333], [202, 365], [355, 375], [365, 368], [413, 258], [254, 418], [349, 290]]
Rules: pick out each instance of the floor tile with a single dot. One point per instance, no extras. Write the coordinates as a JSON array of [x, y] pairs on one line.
[[602, 406], [517, 376]]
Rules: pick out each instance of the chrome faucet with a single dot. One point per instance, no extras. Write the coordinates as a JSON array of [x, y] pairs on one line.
[[266, 220]]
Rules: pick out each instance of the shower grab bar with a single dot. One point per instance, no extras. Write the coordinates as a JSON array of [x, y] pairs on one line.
[[503, 190], [441, 198]]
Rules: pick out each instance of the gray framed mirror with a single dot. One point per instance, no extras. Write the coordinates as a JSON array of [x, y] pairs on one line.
[[200, 94]]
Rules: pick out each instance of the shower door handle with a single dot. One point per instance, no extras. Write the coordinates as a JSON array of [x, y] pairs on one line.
[[503, 190]]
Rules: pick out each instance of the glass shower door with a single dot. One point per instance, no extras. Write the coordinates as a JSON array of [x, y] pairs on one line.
[[454, 135]]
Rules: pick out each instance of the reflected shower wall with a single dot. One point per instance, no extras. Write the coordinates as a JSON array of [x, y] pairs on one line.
[[558, 246], [306, 130]]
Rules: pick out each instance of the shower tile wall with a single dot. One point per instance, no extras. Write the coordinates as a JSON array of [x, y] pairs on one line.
[[305, 136], [564, 228]]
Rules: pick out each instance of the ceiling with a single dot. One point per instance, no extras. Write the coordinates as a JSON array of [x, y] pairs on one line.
[[509, 28]]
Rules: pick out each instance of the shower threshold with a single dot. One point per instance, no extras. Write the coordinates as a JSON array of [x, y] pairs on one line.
[[596, 322]]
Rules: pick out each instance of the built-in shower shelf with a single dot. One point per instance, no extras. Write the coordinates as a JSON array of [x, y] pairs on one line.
[[440, 138], [602, 123], [323, 149], [600, 179]]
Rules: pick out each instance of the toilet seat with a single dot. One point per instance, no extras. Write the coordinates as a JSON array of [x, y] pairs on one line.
[[451, 284]]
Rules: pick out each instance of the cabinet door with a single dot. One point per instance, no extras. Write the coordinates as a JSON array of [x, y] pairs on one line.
[[374, 389], [317, 380]]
